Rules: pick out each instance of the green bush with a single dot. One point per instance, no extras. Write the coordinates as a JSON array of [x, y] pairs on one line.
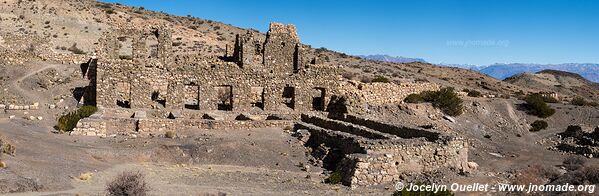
[[579, 101], [335, 178], [538, 125], [381, 79], [474, 93], [414, 98], [69, 121], [445, 99], [536, 105]]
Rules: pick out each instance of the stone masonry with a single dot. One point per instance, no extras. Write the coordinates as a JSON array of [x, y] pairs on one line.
[[368, 152], [135, 69], [142, 88]]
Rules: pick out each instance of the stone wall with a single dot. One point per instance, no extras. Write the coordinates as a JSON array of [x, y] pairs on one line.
[[390, 93], [166, 81], [33, 106], [382, 166], [361, 95], [90, 127], [366, 160], [107, 126]]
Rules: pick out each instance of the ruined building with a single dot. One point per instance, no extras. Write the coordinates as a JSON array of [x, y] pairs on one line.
[[264, 76], [142, 88], [137, 81]]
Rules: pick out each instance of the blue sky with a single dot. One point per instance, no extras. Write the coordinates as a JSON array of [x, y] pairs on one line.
[[440, 31]]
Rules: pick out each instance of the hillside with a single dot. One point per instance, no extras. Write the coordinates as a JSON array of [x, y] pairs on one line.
[[567, 85], [58, 25], [502, 71], [47, 47]]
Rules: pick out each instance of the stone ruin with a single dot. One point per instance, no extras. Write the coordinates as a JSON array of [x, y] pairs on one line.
[[369, 152], [266, 79], [141, 87], [269, 79]]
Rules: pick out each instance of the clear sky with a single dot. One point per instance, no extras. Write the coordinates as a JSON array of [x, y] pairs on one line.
[[477, 32]]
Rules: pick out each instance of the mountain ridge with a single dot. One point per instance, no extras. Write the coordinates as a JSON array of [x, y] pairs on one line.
[[502, 71]]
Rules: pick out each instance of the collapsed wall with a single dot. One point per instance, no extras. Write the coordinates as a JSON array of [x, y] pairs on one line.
[[368, 152]]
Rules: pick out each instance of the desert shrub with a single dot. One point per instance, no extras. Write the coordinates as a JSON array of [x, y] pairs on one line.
[[76, 50], [536, 105], [109, 11], [365, 79], [335, 178], [583, 175], [414, 98], [85, 176], [536, 174], [445, 99], [69, 121], [2, 164], [574, 163], [128, 184], [579, 101], [548, 99], [170, 134], [126, 57], [474, 93], [6, 147], [86, 111], [405, 192], [381, 79], [348, 75], [538, 125]]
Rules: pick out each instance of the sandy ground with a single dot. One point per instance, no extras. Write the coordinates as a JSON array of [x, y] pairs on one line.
[[236, 162]]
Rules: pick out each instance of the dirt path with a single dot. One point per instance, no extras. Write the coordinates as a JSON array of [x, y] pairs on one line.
[[31, 94]]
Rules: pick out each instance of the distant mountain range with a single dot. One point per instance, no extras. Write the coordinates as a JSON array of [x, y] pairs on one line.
[[394, 59], [501, 71]]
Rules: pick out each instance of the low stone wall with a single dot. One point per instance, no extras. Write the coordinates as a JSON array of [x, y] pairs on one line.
[[343, 127], [401, 131], [386, 165], [390, 93], [90, 127], [160, 126], [360, 95], [345, 142], [144, 127], [365, 161], [34, 106]]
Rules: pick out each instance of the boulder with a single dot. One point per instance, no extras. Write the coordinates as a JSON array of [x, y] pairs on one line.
[[279, 117], [450, 119], [139, 115], [212, 116], [245, 116], [175, 115]]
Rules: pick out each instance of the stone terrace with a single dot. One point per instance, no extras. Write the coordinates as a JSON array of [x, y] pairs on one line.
[[368, 152]]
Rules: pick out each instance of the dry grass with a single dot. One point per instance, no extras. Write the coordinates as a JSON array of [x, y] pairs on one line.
[[85, 176], [7, 147], [170, 134], [128, 183], [2, 164]]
